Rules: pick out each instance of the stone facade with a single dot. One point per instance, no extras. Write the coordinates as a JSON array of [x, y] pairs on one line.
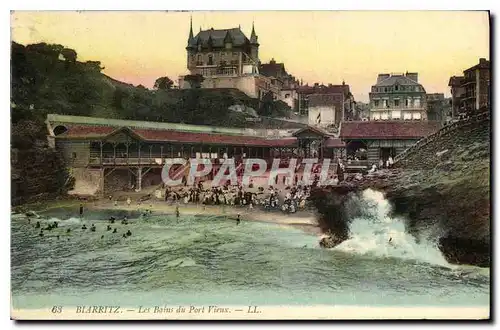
[[476, 85], [457, 91], [283, 80], [225, 52], [255, 86], [471, 92], [226, 58], [438, 107], [325, 110], [344, 112], [398, 97]]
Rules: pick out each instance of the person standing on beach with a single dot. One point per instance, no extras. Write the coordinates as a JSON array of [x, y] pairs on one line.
[[81, 210], [177, 213], [238, 219], [128, 201]]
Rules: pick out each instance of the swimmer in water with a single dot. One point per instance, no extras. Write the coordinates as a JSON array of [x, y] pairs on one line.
[[92, 228], [81, 210], [41, 234], [112, 219], [57, 236], [124, 236], [114, 231], [238, 219], [84, 227], [102, 236], [129, 233], [109, 228], [55, 224], [68, 230], [37, 224]]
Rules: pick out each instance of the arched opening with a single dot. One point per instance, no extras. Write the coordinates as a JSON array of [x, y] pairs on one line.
[[60, 129], [356, 150]]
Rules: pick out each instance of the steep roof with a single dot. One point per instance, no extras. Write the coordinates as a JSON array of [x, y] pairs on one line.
[[273, 69], [455, 81], [322, 89], [217, 37], [318, 100], [388, 129], [483, 64], [397, 79]]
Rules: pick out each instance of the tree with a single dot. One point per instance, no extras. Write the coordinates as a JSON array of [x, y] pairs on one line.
[[94, 65], [163, 83], [51, 50], [266, 104], [69, 55], [194, 80]]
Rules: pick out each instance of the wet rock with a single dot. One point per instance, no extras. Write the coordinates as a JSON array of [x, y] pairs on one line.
[[447, 194], [331, 241]]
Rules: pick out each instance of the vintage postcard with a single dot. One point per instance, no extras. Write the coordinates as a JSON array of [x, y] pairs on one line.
[[250, 165]]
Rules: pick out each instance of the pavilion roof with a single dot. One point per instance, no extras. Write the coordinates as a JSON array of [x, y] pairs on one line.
[[164, 135], [388, 129]]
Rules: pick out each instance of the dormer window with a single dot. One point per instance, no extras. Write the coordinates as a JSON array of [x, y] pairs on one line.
[[396, 87]]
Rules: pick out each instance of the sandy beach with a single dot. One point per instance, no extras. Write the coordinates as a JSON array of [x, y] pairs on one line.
[[304, 220]]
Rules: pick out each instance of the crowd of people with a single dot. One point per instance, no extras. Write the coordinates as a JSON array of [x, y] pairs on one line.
[[289, 199]]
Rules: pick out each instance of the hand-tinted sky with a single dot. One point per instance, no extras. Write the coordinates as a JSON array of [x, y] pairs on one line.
[[317, 46]]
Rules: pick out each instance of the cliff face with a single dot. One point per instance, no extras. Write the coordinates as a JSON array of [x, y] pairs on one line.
[[37, 174], [442, 187]]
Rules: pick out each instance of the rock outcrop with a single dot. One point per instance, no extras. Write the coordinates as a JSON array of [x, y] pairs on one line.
[[441, 187]]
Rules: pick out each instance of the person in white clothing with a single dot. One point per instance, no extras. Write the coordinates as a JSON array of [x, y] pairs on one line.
[[390, 161]]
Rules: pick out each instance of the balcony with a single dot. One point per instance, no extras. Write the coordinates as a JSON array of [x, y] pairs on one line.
[[217, 71], [468, 81], [410, 108]]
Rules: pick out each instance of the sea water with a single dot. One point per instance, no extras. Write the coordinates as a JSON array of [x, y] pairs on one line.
[[201, 260]]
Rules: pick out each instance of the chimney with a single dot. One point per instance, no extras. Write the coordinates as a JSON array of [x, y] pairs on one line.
[[382, 76], [412, 75]]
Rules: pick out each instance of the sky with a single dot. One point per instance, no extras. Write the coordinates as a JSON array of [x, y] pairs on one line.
[[316, 46]]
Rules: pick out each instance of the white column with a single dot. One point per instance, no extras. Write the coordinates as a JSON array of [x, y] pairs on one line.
[[139, 178]]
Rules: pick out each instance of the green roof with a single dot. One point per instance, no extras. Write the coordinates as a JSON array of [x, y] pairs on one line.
[[62, 119]]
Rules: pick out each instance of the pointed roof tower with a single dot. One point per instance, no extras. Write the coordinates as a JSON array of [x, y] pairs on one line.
[[253, 36], [191, 28], [191, 37]]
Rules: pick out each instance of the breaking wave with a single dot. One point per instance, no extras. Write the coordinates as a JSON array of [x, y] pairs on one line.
[[374, 232]]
